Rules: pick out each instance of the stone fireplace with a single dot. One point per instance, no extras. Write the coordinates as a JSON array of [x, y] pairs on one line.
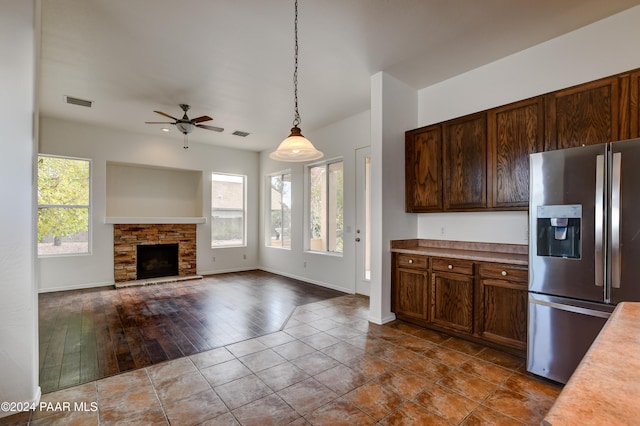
[[126, 238]]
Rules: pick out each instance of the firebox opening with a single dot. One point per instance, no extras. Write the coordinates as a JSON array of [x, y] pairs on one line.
[[157, 260]]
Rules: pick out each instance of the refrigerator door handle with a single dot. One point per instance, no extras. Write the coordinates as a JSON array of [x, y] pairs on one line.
[[570, 308], [615, 219], [599, 222]]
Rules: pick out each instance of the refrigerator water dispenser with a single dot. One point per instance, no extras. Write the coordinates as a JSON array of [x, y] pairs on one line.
[[558, 231]]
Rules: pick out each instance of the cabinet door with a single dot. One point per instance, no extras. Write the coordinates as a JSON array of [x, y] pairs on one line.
[[635, 105], [423, 169], [514, 132], [465, 163], [410, 295], [587, 114], [452, 301], [502, 307]]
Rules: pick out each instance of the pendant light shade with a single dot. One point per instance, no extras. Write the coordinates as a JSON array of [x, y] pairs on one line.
[[296, 147]]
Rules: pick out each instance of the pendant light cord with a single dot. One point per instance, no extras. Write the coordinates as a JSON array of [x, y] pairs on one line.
[[296, 119]]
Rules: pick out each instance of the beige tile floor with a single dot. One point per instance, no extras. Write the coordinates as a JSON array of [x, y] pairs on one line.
[[329, 366]]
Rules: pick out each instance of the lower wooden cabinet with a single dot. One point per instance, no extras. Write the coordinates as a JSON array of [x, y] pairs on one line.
[[410, 287], [481, 301], [452, 294], [502, 307]]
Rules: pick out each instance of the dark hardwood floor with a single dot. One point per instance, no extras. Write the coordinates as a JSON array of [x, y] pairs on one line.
[[91, 334]]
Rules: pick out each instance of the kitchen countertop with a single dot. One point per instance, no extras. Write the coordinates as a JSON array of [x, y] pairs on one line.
[[605, 388], [514, 254]]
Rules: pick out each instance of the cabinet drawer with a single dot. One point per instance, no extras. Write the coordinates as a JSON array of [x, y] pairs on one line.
[[458, 266], [411, 261], [504, 272]]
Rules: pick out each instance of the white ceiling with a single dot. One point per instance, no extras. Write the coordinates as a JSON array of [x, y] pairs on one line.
[[233, 59]]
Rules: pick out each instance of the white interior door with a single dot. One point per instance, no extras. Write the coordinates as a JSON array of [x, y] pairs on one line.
[[363, 220]]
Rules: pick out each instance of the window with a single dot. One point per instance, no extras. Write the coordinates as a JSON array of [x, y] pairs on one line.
[[63, 205], [279, 210], [325, 207], [228, 218]]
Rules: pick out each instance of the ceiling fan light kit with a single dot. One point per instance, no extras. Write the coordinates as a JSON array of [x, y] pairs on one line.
[[185, 127], [185, 124], [296, 147]]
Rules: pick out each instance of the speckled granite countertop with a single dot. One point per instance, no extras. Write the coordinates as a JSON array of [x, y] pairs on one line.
[[514, 254], [605, 388]]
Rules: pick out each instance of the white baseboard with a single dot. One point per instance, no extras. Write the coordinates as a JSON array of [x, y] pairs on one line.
[[75, 287], [214, 272], [35, 401], [383, 320], [310, 281], [226, 271]]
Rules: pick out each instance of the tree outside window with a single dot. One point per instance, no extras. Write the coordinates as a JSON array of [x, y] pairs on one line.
[[326, 207], [279, 203], [228, 218], [63, 205]]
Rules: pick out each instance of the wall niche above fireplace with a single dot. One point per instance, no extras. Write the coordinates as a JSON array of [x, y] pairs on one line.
[[139, 191]]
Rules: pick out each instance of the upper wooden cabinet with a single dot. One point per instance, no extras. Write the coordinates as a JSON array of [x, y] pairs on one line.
[[465, 162], [423, 169], [634, 105], [587, 114], [481, 161], [514, 132]]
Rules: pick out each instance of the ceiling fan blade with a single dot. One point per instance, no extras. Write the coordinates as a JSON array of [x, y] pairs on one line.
[[201, 119], [215, 129], [158, 122], [166, 115]]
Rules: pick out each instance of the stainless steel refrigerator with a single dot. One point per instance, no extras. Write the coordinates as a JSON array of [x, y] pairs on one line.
[[584, 249]]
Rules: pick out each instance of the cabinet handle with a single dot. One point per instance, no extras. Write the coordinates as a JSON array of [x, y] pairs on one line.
[[450, 266], [504, 273], [410, 260]]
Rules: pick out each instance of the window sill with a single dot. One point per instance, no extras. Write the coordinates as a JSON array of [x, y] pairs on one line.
[[325, 253]]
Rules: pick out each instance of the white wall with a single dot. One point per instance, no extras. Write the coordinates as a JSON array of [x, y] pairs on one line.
[[393, 111], [18, 296], [604, 48], [103, 145], [488, 227], [338, 140]]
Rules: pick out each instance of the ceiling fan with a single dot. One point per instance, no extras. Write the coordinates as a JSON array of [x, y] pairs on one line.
[[186, 124]]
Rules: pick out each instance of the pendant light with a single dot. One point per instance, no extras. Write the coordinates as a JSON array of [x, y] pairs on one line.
[[296, 147]]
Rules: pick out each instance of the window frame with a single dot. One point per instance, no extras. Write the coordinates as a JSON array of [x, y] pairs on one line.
[[89, 208], [307, 202], [244, 211], [268, 210]]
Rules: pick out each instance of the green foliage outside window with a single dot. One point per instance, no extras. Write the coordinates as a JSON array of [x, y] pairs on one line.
[[63, 203]]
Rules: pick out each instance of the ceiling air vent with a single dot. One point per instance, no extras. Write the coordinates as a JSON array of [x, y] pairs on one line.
[[240, 133], [77, 101]]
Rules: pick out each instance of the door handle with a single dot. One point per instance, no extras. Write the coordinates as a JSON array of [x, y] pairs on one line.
[[616, 202], [599, 222]]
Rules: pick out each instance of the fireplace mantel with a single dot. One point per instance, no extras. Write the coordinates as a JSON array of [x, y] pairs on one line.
[[154, 220]]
